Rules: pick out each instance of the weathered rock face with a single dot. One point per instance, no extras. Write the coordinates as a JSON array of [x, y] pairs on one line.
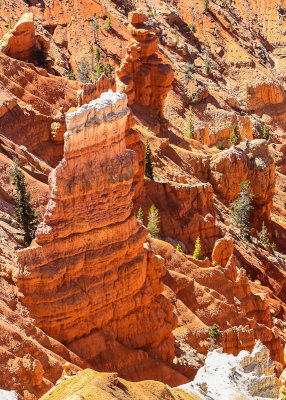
[[215, 291], [143, 75], [245, 377], [186, 212], [92, 385], [31, 360], [22, 43], [253, 163], [88, 281]]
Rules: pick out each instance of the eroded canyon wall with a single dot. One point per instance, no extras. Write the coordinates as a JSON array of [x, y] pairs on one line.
[[88, 279]]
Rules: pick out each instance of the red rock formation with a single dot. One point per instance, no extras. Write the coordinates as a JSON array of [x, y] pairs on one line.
[[186, 212], [22, 43], [208, 292], [87, 280], [253, 163], [143, 75]]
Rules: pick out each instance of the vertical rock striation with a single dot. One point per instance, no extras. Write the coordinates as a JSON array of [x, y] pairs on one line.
[[89, 279]]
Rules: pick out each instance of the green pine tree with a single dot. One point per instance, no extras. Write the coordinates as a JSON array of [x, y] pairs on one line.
[[148, 161], [263, 237], [179, 248], [97, 55], [266, 134], [241, 211], [234, 136], [26, 216], [189, 129], [198, 250], [108, 25], [140, 215], [153, 221], [214, 335]]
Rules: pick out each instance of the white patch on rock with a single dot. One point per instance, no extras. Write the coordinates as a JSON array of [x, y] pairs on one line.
[[242, 377], [8, 395]]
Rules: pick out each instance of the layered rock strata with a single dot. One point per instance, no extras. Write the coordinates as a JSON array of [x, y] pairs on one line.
[[215, 291], [87, 279], [143, 74]]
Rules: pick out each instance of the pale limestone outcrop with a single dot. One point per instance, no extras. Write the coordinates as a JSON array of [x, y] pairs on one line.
[[244, 377], [87, 279], [8, 395]]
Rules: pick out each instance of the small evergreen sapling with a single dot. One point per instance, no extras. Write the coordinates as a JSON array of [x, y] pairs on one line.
[[263, 237], [234, 135], [214, 335], [153, 221], [148, 161], [198, 250], [266, 133], [26, 216], [140, 215], [190, 130], [241, 211], [108, 25], [83, 71], [179, 248]]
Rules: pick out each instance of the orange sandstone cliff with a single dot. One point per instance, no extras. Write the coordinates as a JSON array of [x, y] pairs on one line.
[[92, 279], [88, 279]]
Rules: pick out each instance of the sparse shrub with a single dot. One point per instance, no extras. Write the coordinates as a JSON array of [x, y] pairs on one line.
[[206, 4], [148, 161], [198, 250], [207, 62], [101, 69], [71, 75], [192, 27], [108, 69], [91, 52], [140, 215], [214, 335], [265, 133], [83, 71], [263, 237], [246, 96], [189, 129], [234, 136], [153, 222], [97, 55], [220, 146], [26, 216], [9, 25], [94, 27], [108, 25], [241, 211], [177, 38], [179, 248]]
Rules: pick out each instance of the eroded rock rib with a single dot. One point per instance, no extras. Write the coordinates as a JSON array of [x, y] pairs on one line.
[[143, 74], [87, 270]]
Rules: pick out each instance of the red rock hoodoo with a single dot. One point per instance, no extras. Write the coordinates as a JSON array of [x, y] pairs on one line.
[[88, 280], [143, 74]]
